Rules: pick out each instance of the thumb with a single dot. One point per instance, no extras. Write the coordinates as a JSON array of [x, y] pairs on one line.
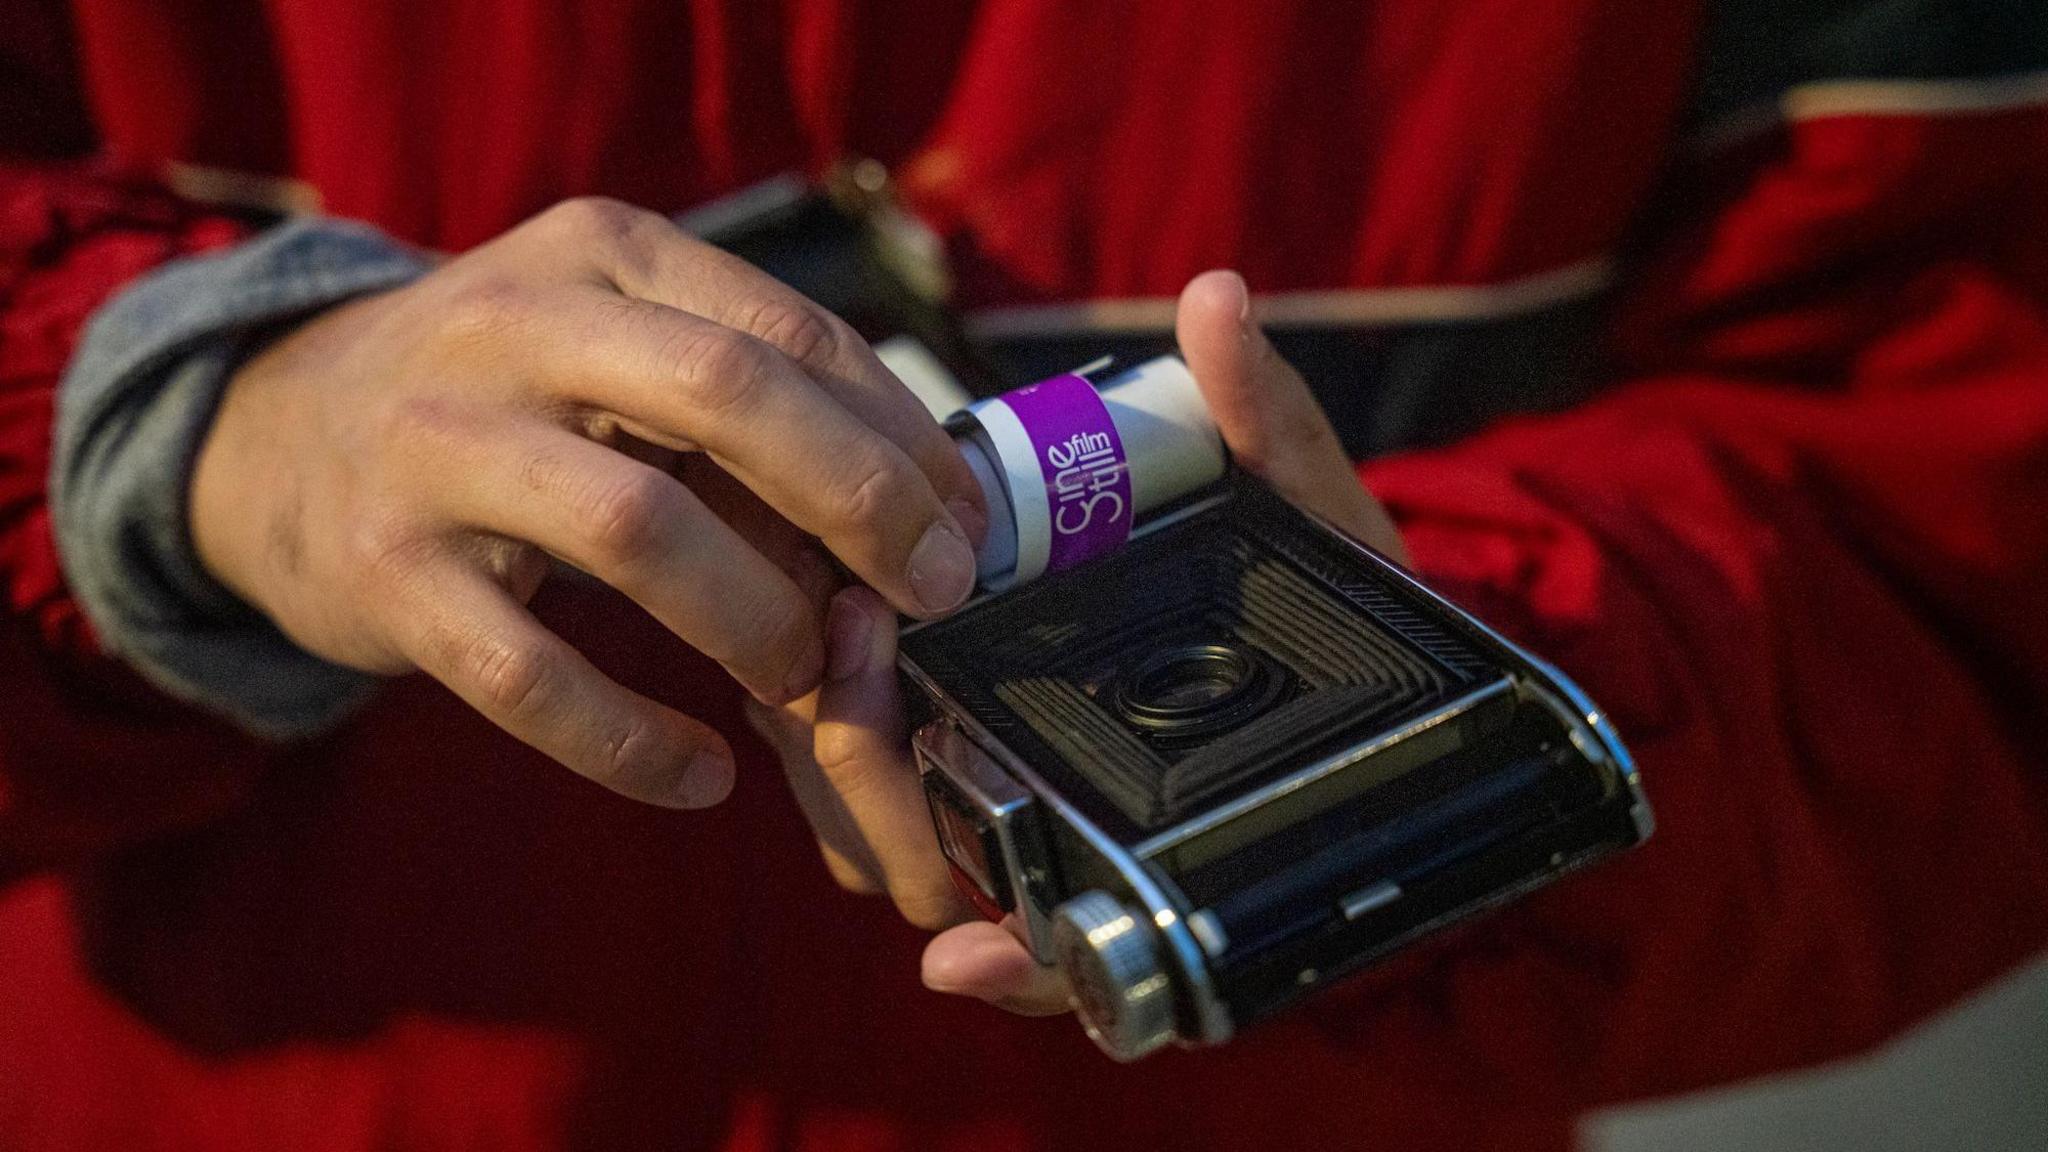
[[1266, 413]]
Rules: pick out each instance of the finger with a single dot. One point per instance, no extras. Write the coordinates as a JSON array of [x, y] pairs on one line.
[[1267, 414], [788, 731], [660, 262], [986, 961], [647, 257], [850, 865], [786, 546], [641, 531], [466, 632], [862, 751], [788, 728], [774, 429]]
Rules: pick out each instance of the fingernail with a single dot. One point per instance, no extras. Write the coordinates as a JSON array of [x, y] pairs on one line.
[[706, 781], [849, 629], [1244, 298], [941, 568], [973, 521]]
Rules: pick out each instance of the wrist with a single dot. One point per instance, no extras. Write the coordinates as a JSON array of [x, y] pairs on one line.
[[248, 477], [134, 502], [232, 487]]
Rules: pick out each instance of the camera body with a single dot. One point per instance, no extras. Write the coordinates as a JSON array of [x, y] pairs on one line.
[[1240, 756], [1209, 752]]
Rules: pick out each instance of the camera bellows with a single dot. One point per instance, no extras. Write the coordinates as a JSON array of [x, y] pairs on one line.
[[1244, 659]]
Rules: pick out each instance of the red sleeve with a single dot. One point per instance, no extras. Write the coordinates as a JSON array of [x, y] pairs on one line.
[[89, 756], [1803, 560]]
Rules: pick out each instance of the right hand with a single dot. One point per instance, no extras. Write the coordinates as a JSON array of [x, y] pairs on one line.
[[386, 481]]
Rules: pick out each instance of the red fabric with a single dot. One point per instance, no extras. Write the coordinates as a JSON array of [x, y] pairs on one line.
[[1799, 555], [77, 726]]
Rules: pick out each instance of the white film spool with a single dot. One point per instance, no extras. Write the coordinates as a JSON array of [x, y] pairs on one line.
[[997, 561], [1170, 446], [1024, 484]]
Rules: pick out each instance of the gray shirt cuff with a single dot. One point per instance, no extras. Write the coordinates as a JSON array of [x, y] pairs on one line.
[[133, 409]]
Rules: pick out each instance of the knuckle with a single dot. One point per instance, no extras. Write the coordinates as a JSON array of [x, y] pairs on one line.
[[591, 218], [481, 310], [1302, 427], [721, 370], [803, 331], [838, 755], [880, 485], [512, 677], [425, 421], [628, 518], [626, 755], [384, 552], [783, 624], [540, 472]]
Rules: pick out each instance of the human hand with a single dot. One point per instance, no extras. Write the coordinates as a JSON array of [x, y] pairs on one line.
[[387, 480], [845, 748]]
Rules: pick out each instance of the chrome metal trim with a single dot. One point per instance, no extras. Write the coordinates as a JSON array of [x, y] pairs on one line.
[[1582, 716], [1182, 949], [1368, 898], [999, 799], [1209, 932], [981, 781]]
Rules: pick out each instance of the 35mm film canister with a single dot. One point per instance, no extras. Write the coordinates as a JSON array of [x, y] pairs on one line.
[[1067, 467]]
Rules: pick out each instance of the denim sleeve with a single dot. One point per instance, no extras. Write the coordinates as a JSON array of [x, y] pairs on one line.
[[133, 409]]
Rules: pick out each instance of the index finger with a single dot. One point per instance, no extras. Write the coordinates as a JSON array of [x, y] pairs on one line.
[[683, 272], [647, 257], [766, 423]]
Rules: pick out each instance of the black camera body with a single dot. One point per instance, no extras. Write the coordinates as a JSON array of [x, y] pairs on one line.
[[1241, 756]]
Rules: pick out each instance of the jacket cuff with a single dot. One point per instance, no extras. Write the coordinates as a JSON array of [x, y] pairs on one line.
[[133, 409]]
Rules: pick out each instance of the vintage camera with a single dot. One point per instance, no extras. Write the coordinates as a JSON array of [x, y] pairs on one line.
[[1212, 753]]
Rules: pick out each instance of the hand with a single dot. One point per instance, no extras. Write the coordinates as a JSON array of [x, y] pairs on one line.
[[386, 481], [846, 751]]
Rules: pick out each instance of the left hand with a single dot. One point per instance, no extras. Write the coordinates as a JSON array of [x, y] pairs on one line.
[[845, 748]]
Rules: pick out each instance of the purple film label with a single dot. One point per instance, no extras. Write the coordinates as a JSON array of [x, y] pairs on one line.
[[1080, 455]]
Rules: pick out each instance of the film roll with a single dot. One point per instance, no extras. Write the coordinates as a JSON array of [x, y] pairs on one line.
[[1067, 467]]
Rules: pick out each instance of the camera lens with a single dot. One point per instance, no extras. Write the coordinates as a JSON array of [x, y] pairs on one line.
[[1196, 688], [1188, 680]]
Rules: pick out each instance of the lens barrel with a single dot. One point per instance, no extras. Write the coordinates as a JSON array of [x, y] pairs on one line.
[[1196, 689]]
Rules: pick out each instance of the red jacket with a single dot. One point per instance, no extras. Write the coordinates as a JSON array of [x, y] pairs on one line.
[[1798, 547]]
